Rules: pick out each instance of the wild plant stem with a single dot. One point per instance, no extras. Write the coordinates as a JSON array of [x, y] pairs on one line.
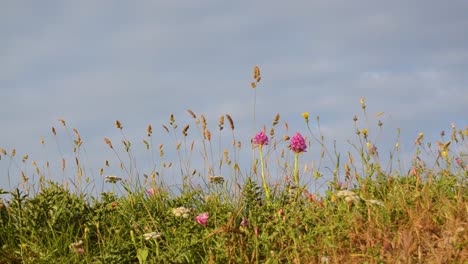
[[296, 174], [262, 165]]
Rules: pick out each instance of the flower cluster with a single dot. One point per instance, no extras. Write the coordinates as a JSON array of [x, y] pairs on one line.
[[202, 219], [260, 139], [298, 144], [181, 211], [349, 196]]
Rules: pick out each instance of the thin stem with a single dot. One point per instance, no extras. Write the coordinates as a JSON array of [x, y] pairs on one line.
[[296, 169], [262, 165], [296, 174]]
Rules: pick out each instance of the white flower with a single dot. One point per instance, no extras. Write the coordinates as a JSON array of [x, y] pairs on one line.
[[152, 235], [349, 196], [324, 260], [181, 211], [376, 202]]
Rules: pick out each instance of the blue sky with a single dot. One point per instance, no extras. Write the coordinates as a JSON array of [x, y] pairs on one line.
[[92, 62]]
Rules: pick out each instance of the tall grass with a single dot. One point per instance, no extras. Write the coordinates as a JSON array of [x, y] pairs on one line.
[[269, 211]]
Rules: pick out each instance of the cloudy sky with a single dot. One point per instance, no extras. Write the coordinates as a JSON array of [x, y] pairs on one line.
[[92, 62]]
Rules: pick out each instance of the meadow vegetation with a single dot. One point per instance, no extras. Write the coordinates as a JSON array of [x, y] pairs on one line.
[[366, 211]]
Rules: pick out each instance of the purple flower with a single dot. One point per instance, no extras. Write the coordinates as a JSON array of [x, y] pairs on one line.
[[202, 219], [298, 144], [260, 139]]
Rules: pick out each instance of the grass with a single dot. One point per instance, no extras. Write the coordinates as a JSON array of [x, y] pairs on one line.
[[366, 212]]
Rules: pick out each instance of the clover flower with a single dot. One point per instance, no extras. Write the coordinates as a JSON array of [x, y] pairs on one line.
[[202, 219], [298, 144], [181, 211], [260, 139]]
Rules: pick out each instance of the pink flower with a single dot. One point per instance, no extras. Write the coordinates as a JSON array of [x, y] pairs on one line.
[[459, 162], [150, 192], [260, 139], [202, 219], [298, 144], [244, 222]]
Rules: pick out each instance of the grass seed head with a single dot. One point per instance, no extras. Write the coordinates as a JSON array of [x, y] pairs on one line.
[[118, 124], [221, 122], [62, 121], [184, 130], [149, 130], [231, 122], [109, 143], [194, 116]]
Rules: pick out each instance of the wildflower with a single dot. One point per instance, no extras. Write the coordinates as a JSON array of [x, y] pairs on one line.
[[364, 132], [181, 211], [152, 235], [349, 196], [444, 153], [260, 139], [297, 143], [77, 247], [112, 179], [202, 219], [459, 162], [305, 115], [418, 140], [244, 222], [150, 192]]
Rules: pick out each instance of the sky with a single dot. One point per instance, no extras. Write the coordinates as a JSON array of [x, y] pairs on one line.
[[94, 62]]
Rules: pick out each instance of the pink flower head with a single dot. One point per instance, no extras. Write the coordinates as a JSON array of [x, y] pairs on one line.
[[244, 222], [202, 219], [459, 162], [260, 139], [298, 144], [150, 192]]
